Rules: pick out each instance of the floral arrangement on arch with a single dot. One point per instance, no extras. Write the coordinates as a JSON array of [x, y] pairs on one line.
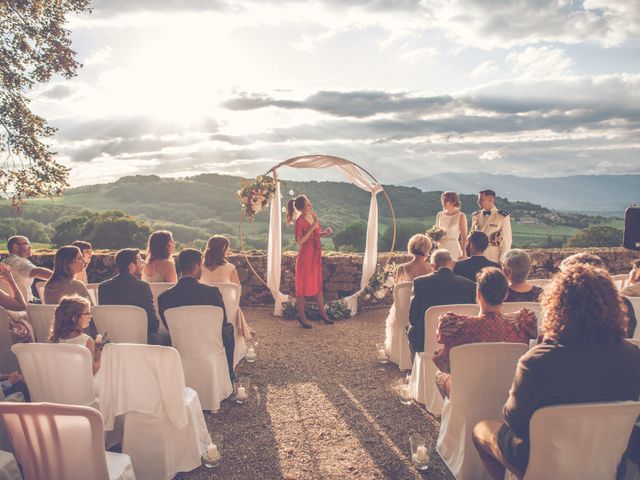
[[256, 195], [380, 283]]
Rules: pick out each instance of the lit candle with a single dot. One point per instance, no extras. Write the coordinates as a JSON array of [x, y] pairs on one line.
[[381, 354], [212, 452], [242, 394], [251, 353], [421, 454], [405, 392]]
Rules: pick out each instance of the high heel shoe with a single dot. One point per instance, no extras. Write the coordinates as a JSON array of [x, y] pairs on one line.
[[304, 324], [328, 322]]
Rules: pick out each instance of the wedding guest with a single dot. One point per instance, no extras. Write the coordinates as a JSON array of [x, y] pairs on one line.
[[159, 266], [516, 265], [477, 243], [218, 270], [22, 269], [442, 287], [20, 330], [583, 259], [454, 223], [87, 251], [190, 291], [633, 286], [126, 288], [583, 358], [72, 317], [491, 325], [495, 223], [308, 233], [418, 247]]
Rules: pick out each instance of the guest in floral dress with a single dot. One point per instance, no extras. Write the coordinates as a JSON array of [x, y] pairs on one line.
[[491, 325], [516, 265]]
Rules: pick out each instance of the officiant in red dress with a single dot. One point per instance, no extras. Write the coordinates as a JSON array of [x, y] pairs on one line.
[[308, 233]]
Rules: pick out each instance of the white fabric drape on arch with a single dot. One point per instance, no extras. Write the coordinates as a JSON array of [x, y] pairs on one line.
[[274, 250]]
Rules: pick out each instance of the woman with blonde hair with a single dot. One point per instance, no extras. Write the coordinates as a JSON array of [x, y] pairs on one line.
[[308, 233], [454, 223], [71, 318], [159, 265], [217, 269]]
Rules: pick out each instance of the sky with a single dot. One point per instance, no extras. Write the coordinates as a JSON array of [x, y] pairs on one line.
[[404, 88]]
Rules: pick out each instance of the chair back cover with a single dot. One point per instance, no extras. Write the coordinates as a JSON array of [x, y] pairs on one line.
[[635, 303], [584, 441], [92, 288], [535, 307], [397, 343], [156, 289], [196, 332], [620, 280], [57, 372], [231, 294], [53, 441], [8, 360], [40, 289], [122, 323], [41, 317], [481, 375]]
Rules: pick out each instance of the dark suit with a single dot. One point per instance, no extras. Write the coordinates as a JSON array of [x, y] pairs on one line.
[[189, 291], [442, 287], [471, 266], [125, 289]]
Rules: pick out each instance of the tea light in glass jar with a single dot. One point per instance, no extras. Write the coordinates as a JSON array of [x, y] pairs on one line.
[[405, 393], [251, 355], [242, 394]]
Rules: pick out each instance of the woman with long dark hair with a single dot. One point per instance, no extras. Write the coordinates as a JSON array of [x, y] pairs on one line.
[[308, 233], [159, 265]]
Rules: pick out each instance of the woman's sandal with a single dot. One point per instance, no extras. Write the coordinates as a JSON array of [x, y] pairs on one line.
[[328, 322], [304, 324]]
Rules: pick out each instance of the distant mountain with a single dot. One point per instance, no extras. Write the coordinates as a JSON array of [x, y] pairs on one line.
[[609, 194]]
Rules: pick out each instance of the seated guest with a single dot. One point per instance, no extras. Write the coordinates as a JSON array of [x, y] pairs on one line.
[[442, 287], [583, 259], [72, 317], [583, 358], [159, 266], [477, 243], [87, 251], [633, 284], [22, 269], [516, 265], [13, 302], [12, 383], [418, 247], [491, 325], [218, 269], [189, 291], [126, 288]]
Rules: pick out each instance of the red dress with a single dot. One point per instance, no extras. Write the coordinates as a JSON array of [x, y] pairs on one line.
[[309, 261]]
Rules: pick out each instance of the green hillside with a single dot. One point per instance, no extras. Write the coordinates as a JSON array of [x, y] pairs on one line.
[[196, 207]]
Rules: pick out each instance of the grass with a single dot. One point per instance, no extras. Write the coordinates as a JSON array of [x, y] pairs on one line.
[[35, 246]]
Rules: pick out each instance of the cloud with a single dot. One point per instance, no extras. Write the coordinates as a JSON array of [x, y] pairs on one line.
[[490, 156], [540, 62], [59, 91], [101, 56], [425, 54], [484, 69]]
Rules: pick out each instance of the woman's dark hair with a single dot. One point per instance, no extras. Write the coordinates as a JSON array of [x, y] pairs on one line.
[[65, 256], [294, 205], [583, 306], [82, 245], [66, 317], [158, 245], [493, 285], [215, 252]]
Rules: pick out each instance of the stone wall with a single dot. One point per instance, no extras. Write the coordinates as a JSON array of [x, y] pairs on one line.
[[341, 271]]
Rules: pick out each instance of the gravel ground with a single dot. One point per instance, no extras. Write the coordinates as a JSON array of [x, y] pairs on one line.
[[321, 407]]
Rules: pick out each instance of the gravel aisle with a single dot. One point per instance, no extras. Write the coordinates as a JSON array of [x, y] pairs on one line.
[[320, 407]]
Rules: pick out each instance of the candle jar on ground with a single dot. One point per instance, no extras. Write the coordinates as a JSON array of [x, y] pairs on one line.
[[420, 449]]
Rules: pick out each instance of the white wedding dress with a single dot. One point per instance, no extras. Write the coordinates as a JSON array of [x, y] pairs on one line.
[[451, 240]]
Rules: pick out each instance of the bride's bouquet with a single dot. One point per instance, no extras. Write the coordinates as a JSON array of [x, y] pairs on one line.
[[436, 233], [255, 196]]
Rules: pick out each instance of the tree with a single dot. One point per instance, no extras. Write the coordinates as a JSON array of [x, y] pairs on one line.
[[404, 231], [596, 236], [354, 235], [114, 230], [70, 228], [34, 46]]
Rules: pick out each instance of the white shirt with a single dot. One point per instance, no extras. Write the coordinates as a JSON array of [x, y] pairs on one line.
[[21, 270]]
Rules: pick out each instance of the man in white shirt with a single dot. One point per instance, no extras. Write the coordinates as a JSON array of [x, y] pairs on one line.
[[495, 223], [22, 269]]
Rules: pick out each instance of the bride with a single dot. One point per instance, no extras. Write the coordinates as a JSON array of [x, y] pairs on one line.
[[454, 223]]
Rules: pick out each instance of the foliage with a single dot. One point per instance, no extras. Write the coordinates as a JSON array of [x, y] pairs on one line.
[[404, 231], [596, 236], [255, 196], [71, 228], [34, 46], [353, 236], [336, 310], [380, 283], [34, 231]]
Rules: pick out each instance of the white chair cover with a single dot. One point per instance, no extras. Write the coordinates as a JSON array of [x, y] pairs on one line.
[[5, 444], [40, 290], [164, 428], [92, 288], [481, 375], [62, 442], [635, 303], [535, 307], [584, 441], [41, 318], [396, 340], [8, 360], [231, 297], [423, 386], [156, 289], [57, 372], [539, 282], [620, 280], [9, 467], [196, 334], [122, 323]]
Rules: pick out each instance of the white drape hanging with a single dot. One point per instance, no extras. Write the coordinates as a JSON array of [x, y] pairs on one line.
[[274, 250]]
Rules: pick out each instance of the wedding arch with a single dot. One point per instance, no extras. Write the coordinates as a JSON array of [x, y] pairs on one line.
[[357, 176]]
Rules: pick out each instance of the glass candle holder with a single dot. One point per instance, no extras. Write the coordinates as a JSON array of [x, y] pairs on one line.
[[420, 451], [251, 354], [213, 454], [242, 393], [381, 354], [405, 394]]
